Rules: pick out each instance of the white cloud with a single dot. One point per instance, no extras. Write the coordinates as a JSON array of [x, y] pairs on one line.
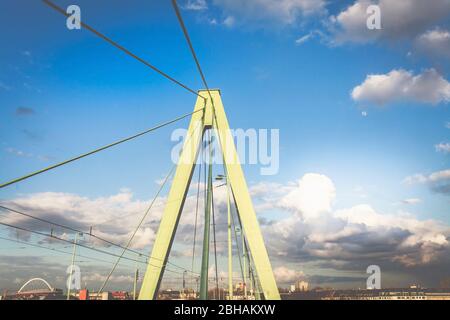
[[303, 39], [438, 181], [434, 177], [422, 235], [229, 21], [97, 277], [315, 231], [443, 147], [81, 212], [195, 5], [18, 153], [282, 11], [434, 43], [313, 196], [401, 85], [284, 275], [400, 19]]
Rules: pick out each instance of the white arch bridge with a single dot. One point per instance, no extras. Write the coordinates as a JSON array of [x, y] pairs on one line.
[[37, 288], [35, 285]]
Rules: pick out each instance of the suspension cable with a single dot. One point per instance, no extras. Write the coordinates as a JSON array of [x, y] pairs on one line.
[[237, 245], [139, 253], [120, 47], [98, 149], [196, 208], [50, 236], [191, 47], [52, 249], [214, 240], [136, 229], [171, 171]]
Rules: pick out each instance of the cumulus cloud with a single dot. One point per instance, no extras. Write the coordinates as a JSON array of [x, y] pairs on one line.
[[435, 43], [313, 195], [356, 235], [359, 235], [113, 217], [103, 213], [284, 275], [311, 230], [401, 85], [400, 19], [439, 181]]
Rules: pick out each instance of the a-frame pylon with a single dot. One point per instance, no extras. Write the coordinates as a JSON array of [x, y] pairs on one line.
[[212, 115]]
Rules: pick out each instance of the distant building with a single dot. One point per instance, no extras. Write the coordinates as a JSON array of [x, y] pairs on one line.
[[419, 294], [301, 286], [84, 294]]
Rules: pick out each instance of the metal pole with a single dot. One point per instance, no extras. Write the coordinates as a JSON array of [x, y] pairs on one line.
[[196, 287], [251, 282], [136, 276], [184, 282], [244, 267], [205, 253], [71, 265], [230, 246]]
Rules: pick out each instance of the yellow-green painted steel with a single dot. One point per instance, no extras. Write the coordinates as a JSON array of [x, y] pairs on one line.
[[177, 196], [230, 246], [174, 205]]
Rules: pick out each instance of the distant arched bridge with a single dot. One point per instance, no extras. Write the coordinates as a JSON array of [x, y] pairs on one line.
[[35, 285]]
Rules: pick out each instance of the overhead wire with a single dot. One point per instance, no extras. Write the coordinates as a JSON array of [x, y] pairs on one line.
[[123, 49], [71, 242], [196, 209], [214, 239], [97, 150], [82, 232], [171, 171], [180, 19], [191, 47], [136, 230], [52, 249]]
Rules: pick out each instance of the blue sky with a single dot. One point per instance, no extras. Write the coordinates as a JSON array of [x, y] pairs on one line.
[[63, 92]]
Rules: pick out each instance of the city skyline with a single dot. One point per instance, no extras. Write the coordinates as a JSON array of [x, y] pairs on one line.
[[363, 120]]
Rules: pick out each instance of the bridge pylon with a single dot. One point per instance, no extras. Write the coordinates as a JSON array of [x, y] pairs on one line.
[[208, 114]]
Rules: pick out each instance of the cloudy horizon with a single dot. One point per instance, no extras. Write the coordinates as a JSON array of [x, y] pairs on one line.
[[363, 119]]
